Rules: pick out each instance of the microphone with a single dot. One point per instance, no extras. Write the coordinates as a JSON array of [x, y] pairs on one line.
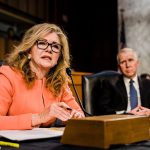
[[69, 73]]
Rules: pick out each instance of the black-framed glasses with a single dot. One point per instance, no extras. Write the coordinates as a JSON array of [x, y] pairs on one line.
[[43, 45]]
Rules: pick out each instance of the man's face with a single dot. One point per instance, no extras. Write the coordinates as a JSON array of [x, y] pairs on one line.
[[128, 64]]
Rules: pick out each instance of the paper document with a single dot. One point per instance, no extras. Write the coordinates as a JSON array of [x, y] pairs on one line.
[[36, 133]]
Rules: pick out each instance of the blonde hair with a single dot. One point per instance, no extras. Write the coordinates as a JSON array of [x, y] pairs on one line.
[[56, 78]]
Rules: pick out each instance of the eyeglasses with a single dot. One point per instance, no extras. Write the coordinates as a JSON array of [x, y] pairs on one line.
[[43, 45]]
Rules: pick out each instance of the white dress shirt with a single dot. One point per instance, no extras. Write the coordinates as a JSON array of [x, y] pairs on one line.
[[136, 85]]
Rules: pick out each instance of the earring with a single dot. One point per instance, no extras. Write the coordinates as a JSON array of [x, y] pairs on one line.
[[29, 57]]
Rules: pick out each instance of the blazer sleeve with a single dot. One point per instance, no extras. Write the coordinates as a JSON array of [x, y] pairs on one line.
[[69, 99], [22, 121]]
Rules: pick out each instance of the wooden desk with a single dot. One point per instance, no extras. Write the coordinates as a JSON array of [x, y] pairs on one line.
[[77, 77]]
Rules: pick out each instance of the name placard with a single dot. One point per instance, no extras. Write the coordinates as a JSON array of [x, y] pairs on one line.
[[103, 131]]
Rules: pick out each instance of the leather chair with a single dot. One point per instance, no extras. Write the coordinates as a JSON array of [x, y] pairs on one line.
[[92, 86]]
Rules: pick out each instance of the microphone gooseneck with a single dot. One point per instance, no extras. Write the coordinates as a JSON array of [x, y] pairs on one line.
[[69, 73], [68, 70]]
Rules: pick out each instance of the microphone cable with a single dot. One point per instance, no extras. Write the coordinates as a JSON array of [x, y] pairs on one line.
[[68, 71]]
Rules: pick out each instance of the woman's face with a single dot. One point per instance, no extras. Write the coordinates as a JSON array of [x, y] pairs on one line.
[[45, 52]]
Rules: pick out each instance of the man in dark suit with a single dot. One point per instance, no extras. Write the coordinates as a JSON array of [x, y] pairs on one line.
[[115, 98]]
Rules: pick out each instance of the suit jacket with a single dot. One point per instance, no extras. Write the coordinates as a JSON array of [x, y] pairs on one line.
[[113, 96], [18, 102]]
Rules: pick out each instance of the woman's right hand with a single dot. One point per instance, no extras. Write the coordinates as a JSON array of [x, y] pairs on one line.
[[55, 110]]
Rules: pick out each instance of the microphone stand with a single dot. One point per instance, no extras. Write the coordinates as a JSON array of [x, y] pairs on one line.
[[68, 70]]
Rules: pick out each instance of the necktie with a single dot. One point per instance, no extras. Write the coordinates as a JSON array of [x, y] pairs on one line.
[[133, 95]]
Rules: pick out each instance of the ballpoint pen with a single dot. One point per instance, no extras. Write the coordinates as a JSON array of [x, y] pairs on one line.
[[11, 144]]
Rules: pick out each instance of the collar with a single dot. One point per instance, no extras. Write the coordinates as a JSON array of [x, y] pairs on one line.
[[135, 79]]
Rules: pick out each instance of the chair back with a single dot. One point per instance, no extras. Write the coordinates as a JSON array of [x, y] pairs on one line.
[[91, 88]]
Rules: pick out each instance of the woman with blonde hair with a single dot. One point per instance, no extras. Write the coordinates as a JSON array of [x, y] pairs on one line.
[[34, 89]]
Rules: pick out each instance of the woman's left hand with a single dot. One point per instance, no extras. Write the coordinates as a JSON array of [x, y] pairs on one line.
[[76, 114]]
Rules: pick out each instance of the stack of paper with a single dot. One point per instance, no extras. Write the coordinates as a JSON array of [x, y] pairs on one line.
[[36, 133]]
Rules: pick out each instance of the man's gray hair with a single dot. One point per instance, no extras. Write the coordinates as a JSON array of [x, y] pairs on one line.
[[124, 50]]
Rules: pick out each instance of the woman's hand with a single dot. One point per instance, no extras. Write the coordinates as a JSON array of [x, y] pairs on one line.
[[58, 110], [76, 114]]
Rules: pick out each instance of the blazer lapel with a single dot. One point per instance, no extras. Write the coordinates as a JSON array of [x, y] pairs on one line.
[[141, 90]]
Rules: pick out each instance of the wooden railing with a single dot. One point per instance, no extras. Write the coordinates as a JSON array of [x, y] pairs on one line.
[[77, 77]]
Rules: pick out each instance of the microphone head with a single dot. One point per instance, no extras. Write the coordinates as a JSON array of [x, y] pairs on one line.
[[68, 71]]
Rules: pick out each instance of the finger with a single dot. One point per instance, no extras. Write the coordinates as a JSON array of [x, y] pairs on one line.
[[63, 114], [76, 114], [63, 105]]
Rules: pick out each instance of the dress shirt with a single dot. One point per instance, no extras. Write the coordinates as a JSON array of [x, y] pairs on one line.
[[136, 85]]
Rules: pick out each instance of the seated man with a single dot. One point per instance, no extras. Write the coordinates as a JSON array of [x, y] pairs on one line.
[[125, 94]]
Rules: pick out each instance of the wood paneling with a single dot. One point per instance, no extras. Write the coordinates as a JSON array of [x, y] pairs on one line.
[[77, 78], [37, 8]]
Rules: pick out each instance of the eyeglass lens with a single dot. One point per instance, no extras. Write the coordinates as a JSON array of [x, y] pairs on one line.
[[55, 47]]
